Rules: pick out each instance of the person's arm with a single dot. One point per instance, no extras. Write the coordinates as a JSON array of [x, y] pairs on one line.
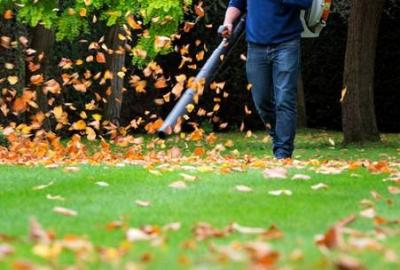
[[301, 4], [235, 9]]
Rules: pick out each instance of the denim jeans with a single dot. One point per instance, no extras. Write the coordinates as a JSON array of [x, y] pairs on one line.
[[273, 72]]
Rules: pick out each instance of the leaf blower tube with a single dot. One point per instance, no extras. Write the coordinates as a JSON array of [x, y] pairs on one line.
[[206, 74]]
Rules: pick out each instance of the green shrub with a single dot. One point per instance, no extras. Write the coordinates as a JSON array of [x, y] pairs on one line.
[[3, 140]]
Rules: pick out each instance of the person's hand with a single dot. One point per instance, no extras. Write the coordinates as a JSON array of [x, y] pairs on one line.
[[225, 30]]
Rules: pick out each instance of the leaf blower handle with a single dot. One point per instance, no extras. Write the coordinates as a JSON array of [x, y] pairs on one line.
[[225, 30]]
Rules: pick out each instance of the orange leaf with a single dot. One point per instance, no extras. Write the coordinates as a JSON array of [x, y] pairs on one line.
[[8, 14], [133, 24], [37, 79], [100, 58]]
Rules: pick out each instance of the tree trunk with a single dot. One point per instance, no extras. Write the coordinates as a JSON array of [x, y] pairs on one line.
[[42, 43], [359, 120], [301, 104], [115, 64]]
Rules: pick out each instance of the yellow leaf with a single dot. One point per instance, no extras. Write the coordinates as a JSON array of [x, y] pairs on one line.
[[91, 134], [190, 108], [96, 117], [82, 12], [344, 92], [12, 80], [80, 125], [58, 111]]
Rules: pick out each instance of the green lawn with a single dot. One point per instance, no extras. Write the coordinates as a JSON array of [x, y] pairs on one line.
[[211, 198]]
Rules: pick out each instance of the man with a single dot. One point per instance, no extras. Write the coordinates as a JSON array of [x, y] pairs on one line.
[[273, 31]]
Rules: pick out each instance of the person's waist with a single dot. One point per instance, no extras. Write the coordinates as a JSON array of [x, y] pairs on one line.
[[273, 44]]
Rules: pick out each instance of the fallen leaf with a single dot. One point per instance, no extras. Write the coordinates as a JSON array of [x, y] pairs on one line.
[[72, 169], [301, 177], [394, 190], [368, 213], [276, 173], [203, 231], [247, 230], [155, 172], [134, 234], [296, 255], [55, 197], [143, 203], [40, 187], [262, 255], [102, 184], [333, 238], [36, 232], [176, 226], [5, 250], [64, 211], [376, 195], [280, 192], [188, 177], [346, 262], [319, 186], [242, 188], [178, 185]]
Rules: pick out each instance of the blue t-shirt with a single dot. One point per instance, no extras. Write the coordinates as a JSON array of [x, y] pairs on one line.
[[272, 21]]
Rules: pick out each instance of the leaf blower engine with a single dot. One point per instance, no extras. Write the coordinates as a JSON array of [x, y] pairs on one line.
[[315, 18]]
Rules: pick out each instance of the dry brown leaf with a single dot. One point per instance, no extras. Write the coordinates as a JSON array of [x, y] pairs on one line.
[[203, 231]]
